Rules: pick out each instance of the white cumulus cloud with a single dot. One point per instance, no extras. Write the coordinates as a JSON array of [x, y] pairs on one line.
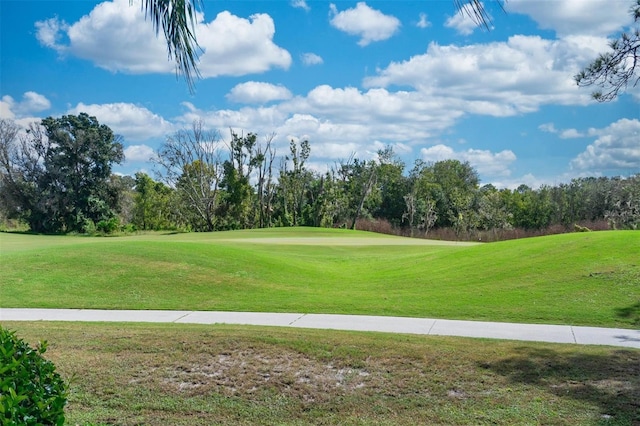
[[499, 78], [462, 21], [617, 148], [570, 134], [485, 162], [300, 4], [238, 46], [49, 33], [573, 17], [141, 153], [115, 36], [423, 22], [254, 92], [367, 23], [31, 103], [131, 121], [311, 59]]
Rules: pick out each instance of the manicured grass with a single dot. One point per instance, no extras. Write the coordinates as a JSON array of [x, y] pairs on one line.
[[579, 279], [131, 374]]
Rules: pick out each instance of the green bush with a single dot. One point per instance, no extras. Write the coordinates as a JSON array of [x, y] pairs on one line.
[[32, 393], [108, 226]]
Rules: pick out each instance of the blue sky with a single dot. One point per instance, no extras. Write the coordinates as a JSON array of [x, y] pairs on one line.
[[351, 77]]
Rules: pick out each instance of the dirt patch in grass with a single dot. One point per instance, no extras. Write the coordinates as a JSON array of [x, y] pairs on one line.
[[190, 374], [245, 372]]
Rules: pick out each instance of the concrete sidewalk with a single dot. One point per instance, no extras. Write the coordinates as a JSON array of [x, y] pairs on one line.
[[493, 330]]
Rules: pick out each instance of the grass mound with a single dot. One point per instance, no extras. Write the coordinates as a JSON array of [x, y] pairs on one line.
[[578, 279]]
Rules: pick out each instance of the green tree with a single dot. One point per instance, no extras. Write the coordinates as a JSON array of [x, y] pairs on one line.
[[358, 180], [58, 175], [122, 195], [493, 214], [238, 203], [393, 186], [624, 212], [531, 209], [11, 175], [152, 204], [294, 183], [451, 184]]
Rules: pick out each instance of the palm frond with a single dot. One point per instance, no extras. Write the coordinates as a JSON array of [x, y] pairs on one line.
[[476, 10], [177, 19]]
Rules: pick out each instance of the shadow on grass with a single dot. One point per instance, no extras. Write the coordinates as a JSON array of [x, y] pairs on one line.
[[631, 313], [609, 381]]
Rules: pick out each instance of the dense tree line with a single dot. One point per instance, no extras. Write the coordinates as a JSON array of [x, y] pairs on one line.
[[56, 177]]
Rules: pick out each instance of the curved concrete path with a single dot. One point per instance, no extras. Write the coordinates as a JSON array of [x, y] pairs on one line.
[[439, 327]]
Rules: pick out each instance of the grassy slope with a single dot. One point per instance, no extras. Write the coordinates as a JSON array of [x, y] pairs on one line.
[[581, 279]]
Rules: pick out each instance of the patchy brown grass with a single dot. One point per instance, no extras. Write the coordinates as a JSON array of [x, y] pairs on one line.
[[130, 374]]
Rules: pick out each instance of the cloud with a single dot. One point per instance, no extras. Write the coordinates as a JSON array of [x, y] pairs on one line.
[[311, 59], [563, 134], [367, 23], [238, 46], [592, 17], [615, 149], [253, 92], [462, 22], [6, 107], [300, 4], [25, 111], [485, 162], [115, 36], [338, 120], [499, 78], [528, 179], [570, 134], [548, 128], [49, 32], [423, 22], [138, 153], [31, 103], [131, 121]]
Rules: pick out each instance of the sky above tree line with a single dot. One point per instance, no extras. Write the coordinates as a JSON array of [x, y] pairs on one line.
[[351, 77]]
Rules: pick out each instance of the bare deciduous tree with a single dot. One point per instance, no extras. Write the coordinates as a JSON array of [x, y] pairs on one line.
[[189, 161]]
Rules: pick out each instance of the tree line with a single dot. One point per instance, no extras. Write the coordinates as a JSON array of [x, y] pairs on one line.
[[57, 177]]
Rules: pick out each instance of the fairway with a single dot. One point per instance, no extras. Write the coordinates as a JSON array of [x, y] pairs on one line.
[[352, 241], [577, 279]]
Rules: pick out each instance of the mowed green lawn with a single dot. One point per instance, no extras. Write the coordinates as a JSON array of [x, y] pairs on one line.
[[580, 279]]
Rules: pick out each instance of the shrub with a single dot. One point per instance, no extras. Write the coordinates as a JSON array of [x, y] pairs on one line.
[[108, 226], [31, 391]]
